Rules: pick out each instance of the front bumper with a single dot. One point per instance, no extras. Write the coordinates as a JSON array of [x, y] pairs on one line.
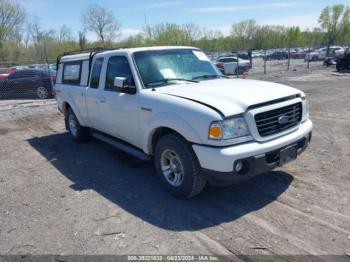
[[219, 163]]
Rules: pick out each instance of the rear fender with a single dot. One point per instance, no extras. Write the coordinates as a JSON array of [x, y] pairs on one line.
[[75, 110]]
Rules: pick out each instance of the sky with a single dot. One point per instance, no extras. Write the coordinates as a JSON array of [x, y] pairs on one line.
[[212, 14]]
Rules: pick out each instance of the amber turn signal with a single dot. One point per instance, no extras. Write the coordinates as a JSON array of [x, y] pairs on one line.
[[215, 131]]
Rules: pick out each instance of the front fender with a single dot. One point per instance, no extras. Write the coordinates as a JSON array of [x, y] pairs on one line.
[[172, 121]]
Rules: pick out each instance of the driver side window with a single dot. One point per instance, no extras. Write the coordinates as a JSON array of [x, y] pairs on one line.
[[118, 66]]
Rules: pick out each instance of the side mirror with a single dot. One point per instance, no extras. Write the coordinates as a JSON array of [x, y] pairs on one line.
[[121, 83]]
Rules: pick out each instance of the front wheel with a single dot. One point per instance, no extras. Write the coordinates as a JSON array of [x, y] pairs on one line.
[[177, 167]]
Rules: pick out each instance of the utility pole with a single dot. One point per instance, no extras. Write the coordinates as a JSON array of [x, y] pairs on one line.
[[48, 65], [265, 58]]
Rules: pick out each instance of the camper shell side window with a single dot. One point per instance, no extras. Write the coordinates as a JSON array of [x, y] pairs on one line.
[[72, 73]]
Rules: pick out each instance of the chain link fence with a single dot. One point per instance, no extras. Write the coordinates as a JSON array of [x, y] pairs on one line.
[[260, 67]]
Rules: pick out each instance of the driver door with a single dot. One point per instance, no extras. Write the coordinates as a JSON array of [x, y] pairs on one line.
[[119, 111]]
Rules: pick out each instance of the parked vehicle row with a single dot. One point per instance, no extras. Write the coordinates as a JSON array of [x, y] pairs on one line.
[[308, 54]]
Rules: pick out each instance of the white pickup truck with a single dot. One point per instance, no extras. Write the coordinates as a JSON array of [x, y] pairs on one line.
[[173, 105]]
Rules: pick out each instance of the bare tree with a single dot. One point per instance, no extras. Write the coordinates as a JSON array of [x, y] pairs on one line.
[[65, 34], [101, 21], [39, 37], [34, 30], [82, 39], [193, 31], [12, 15]]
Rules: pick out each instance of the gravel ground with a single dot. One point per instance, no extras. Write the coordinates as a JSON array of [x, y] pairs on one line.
[[59, 197]]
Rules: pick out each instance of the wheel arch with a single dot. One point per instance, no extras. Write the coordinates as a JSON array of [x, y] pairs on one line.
[[66, 105], [157, 134], [65, 108]]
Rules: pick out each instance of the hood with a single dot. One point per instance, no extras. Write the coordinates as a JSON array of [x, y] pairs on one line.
[[230, 96]]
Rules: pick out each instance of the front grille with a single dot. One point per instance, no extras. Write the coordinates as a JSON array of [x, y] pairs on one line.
[[268, 122]]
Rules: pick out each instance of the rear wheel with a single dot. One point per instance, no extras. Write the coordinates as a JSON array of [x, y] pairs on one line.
[[42, 92], [77, 132], [177, 167]]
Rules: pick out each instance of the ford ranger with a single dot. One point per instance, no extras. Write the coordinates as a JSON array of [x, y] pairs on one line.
[[172, 105]]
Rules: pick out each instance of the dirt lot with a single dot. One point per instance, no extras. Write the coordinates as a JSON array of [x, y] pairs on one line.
[[58, 197]]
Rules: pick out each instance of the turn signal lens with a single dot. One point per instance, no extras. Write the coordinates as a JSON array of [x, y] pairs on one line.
[[230, 128], [215, 131]]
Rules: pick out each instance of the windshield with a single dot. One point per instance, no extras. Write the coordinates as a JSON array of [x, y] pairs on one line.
[[165, 67]]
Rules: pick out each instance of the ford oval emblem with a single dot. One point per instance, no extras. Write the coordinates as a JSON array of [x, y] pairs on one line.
[[283, 120]]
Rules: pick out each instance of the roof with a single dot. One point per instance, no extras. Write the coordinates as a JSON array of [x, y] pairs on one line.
[[86, 56]]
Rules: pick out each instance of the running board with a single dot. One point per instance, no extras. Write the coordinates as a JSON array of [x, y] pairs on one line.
[[121, 146]]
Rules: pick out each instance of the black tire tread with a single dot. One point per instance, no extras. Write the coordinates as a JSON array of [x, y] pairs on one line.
[[200, 179], [84, 133]]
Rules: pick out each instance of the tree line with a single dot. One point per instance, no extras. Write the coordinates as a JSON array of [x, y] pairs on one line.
[[24, 40]]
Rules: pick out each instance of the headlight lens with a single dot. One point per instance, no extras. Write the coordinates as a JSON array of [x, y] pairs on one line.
[[228, 129], [306, 115]]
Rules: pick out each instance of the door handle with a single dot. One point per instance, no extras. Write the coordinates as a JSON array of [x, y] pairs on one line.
[[102, 99]]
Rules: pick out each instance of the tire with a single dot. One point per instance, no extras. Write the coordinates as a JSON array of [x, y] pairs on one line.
[[189, 180], [78, 133], [42, 92], [341, 65], [239, 71]]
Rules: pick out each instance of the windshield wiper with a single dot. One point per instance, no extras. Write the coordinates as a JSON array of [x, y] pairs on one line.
[[167, 80], [208, 77]]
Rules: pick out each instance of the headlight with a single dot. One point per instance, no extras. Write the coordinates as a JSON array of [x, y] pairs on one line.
[[228, 129], [306, 113]]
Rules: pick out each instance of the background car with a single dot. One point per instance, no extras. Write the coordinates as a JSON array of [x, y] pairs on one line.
[[257, 54], [318, 54], [5, 72], [53, 67], [299, 53], [241, 55], [28, 83], [228, 65], [337, 51], [276, 55]]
